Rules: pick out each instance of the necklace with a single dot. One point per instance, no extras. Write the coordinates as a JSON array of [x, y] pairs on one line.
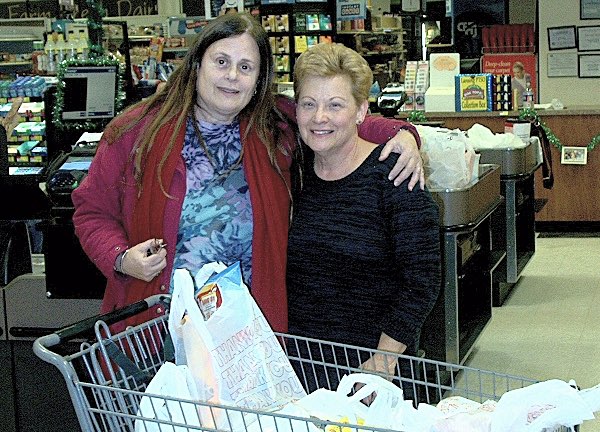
[[213, 161]]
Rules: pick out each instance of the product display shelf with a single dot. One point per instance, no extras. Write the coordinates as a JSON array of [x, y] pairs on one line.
[[17, 39], [387, 42], [293, 28]]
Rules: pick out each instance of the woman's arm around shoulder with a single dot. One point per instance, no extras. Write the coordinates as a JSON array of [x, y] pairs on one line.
[[400, 137]]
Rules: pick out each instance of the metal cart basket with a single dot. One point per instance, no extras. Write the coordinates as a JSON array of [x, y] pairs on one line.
[[107, 378]]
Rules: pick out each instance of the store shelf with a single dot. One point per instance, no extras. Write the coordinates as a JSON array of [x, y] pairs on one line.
[[17, 38], [292, 28], [373, 32], [16, 63], [146, 38], [175, 49], [382, 53]]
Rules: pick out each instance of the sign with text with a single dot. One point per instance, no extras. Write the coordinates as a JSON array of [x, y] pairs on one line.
[[520, 66], [46, 9], [348, 10]]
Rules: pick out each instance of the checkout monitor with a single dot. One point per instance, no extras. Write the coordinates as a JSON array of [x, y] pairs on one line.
[[98, 85]]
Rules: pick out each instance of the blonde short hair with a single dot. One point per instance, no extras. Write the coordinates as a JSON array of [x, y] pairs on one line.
[[333, 59]]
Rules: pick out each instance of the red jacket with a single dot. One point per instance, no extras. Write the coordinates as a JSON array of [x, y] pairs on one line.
[[105, 201]]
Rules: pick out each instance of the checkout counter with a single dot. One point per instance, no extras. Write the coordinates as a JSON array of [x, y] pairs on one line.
[[487, 234], [33, 394], [513, 225], [570, 205], [470, 258]]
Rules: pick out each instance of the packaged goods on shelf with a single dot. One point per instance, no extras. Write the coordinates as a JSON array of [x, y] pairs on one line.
[[32, 86], [282, 23], [30, 151], [32, 111], [502, 93], [29, 131]]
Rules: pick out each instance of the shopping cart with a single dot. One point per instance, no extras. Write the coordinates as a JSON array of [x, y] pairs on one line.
[[108, 377]]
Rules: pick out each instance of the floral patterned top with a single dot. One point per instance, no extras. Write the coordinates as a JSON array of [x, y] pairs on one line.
[[216, 217]]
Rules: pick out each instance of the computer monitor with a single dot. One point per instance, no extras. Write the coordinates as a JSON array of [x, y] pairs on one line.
[[90, 92]]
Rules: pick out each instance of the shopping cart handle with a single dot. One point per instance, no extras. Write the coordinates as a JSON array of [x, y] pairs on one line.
[[86, 326]]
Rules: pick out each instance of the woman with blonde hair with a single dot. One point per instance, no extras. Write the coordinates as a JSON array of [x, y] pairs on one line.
[[363, 256]]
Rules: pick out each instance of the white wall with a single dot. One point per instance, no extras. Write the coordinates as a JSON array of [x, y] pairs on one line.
[[570, 90]]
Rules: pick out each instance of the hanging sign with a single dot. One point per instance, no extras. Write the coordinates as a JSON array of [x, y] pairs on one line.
[[411, 5], [348, 10]]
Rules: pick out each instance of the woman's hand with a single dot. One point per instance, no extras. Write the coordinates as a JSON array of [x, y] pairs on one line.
[[145, 260], [382, 363], [409, 163]]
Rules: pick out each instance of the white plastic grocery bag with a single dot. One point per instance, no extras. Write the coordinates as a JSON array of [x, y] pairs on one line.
[[234, 356], [170, 383], [540, 406], [344, 404], [449, 160]]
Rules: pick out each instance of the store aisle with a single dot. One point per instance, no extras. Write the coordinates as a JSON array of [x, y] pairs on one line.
[[549, 327]]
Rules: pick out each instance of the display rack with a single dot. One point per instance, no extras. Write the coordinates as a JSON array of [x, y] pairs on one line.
[[387, 42], [292, 28], [17, 37]]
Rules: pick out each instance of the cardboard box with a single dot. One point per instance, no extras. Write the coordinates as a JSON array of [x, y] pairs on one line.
[[474, 92], [443, 68], [440, 99]]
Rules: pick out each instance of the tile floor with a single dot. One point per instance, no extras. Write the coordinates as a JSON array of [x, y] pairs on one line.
[[549, 326]]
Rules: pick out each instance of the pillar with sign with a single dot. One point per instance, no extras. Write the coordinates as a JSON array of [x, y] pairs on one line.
[[468, 17]]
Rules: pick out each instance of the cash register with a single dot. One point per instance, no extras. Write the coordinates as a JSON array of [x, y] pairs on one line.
[[70, 170], [69, 272]]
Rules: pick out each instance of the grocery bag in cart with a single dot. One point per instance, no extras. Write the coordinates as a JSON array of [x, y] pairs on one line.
[[219, 332], [112, 402]]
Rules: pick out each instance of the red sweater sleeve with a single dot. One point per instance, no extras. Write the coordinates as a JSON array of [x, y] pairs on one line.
[[376, 129], [380, 130]]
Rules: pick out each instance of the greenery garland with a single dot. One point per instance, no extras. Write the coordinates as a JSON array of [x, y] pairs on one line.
[[95, 28], [531, 115], [85, 125], [417, 116], [525, 114]]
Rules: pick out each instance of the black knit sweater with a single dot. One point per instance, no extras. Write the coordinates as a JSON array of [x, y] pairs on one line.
[[363, 257]]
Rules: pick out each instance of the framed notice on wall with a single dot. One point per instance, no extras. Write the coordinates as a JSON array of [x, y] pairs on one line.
[[562, 64], [589, 9], [589, 65], [561, 38], [588, 38]]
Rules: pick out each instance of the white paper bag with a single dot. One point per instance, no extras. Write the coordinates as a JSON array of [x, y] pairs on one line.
[[234, 356]]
